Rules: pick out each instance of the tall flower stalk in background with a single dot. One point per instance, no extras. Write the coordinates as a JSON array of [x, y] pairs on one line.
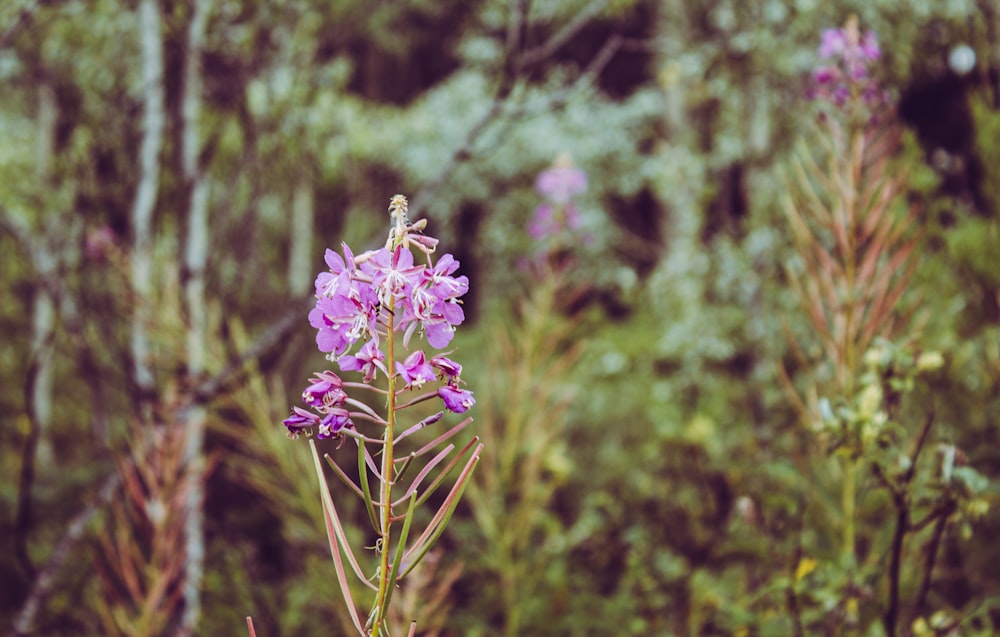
[[524, 408], [369, 309], [854, 233], [854, 238], [556, 224]]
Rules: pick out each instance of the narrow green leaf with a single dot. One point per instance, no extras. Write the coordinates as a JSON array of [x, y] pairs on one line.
[[343, 476], [400, 549], [366, 488], [423, 473], [330, 514], [446, 471], [437, 525]]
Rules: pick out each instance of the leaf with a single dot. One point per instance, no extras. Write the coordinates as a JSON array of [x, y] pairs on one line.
[[805, 566], [334, 536]]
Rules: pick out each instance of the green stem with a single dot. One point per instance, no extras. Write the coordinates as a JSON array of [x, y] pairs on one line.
[[849, 503], [853, 316], [387, 477]]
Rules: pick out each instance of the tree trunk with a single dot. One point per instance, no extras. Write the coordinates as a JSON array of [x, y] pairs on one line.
[[195, 261], [145, 200], [44, 311]]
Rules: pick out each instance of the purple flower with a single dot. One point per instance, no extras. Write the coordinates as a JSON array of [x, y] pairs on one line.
[[415, 371], [556, 221], [562, 182], [359, 298], [325, 394], [299, 422], [446, 366], [542, 224], [343, 320], [869, 46], [338, 278], [832, 42], [393, 273], [455, 399], [439, 327], [325, 391], [551, 221], [433, 303], [826, 74], [333, 422], [441, 283], [368, 359], [847, 79]]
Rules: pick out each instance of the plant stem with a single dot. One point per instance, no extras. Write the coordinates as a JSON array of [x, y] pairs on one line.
[[895, 564], [848, 504], [387, 475], [932, 551]]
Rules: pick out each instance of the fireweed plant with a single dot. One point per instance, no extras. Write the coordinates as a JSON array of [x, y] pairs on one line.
[[524, 410], [369, 309], [557, 231], [556, 223], [855, 239]]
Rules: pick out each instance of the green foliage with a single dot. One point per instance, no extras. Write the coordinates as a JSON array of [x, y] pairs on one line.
[[683, 495]]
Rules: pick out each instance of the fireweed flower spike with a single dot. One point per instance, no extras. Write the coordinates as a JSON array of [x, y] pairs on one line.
[[846, 208], [558, 185], [844, 79], [562, 181], [383, 299]]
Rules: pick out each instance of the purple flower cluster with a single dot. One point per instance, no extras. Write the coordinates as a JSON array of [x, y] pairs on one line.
[[360, 298], [846, 77], [558, 185], [327, 397]]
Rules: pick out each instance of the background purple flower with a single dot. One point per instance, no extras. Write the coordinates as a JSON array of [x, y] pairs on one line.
[[846, 78], [562, 181]]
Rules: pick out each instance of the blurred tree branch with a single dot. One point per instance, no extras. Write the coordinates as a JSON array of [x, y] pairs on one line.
[[16, 23], [517, 63], [563, 35]]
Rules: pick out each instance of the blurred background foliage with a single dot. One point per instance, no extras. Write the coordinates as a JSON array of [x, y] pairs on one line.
[[677, 488]]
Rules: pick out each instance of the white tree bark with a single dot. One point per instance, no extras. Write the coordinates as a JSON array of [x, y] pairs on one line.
[[44, 311], [195, 261], [151, 39]]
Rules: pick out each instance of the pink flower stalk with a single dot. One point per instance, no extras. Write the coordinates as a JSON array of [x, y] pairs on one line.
[[558, 215], [845, 79], [355, 299], [562, 181]]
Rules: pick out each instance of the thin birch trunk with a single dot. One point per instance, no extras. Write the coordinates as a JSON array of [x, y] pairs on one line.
[[151, 39], [44, 311], [195, 260], [300, 254], [37, 449]]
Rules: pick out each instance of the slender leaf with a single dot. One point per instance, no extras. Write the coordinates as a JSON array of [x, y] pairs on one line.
[[330, 515]]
